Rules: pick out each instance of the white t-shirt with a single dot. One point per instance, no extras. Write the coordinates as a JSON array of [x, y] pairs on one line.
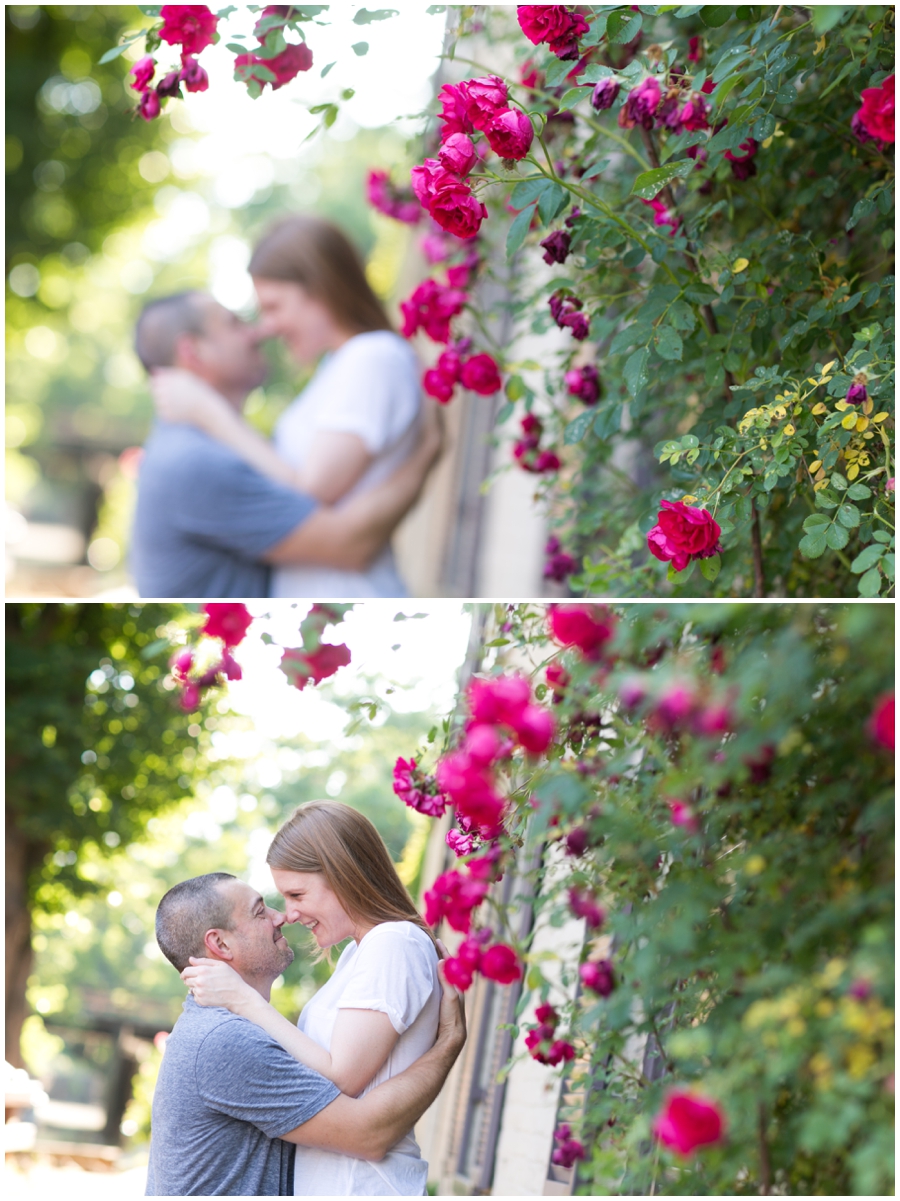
[[393, 969], [370, 387]]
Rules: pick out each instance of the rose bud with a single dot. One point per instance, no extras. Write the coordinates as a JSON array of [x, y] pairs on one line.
[[605, 93]]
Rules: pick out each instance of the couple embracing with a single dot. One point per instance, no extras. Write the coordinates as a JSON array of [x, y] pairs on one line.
[[247, 1104], [222, 512]]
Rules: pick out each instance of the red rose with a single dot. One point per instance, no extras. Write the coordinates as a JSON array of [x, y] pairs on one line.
[[192, 26], [683, 533], [510, 134], [584, 904], [229, 622], [143, 72], [285, 66], [431, 308], [461, 967], [391, 200], [688, 1121], [454, 110], [882, 724], [480, 374], [877, 112], [458, 211], [501, 963], [587, 626], [471, 788], [499, 701], [554, 24], [598, 977]]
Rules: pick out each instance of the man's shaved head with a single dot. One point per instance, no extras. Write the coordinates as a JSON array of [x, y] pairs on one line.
[[164, 321], [187, 911]]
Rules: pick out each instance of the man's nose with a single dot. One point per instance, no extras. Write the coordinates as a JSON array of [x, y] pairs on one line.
[[278, 918]]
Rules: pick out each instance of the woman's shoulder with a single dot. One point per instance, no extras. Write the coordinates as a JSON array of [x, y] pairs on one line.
[[378, 345], [401, 935]]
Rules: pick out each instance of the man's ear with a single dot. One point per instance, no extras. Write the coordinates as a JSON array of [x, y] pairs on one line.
[[217, 946], [186, 355]]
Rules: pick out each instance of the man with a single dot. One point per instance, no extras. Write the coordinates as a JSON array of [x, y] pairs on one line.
[[209, 525], [230, 1102]]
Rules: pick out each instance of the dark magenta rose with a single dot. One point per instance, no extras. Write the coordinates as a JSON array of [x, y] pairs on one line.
[[554, 24], [227, 621], [683, 533], [480, 374], [598, 977], [431, 307], [605, 93], [510, 134], [457, 210], [169, 85], [192, 26], [149, 105], [384, 196], [882, 725], [193, 76], [500, 963], [857, 393], [584, 382], [742, 165], [556, 246], [641, 105], [695, 114]]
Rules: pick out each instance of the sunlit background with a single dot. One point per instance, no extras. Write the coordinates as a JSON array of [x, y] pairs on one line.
[[100, 988], [104, 211]]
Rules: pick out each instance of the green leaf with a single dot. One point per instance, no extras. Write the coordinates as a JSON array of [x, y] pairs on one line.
[[836, 537], [360, 48], [867, 558], [682, 316], [636, 370], [572, 97], [515, 387], [622, 27], [668, 343], [816, 521], [577, 429], [859, 492], [710, 568], [121, 48], [813, 545], [870, 583], [366, 16], [714, 16], [596, 169], [848, 515], [325, 70], [553, 200], [649, 183], [518, 230], [826, 499], [826, 16]]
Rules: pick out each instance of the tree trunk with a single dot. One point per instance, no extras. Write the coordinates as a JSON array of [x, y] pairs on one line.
[[22, 856]]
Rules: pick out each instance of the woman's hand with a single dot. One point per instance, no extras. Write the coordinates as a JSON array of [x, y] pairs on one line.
[[215, 983], [184, 399]]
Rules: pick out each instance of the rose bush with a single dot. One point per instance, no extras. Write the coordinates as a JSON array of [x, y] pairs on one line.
[[717, 782], [712, 188]]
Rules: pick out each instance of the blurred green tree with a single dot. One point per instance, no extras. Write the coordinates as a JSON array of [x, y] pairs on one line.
[[72, 144], [96, 746]]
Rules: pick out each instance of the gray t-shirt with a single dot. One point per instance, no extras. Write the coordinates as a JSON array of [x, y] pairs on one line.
[[204, 518], [226, 1091]]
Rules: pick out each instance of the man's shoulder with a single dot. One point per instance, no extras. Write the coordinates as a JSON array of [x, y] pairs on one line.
[[181, 452]]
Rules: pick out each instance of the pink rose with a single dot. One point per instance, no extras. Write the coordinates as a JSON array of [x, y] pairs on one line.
[[480, 374], [683, 533], [192, 26], [584, 382], [598, 977], [857, 393], [877, 112], [454, 110], [301, 667], [190, 698], [510, 134], [501, 963], [460, 844], [584, 904], [471, 788], [143, 72], [568, 1151], [391, 200], [688, 1121], [695, 114], [662, 215], [587, 626], [641, 105], [285, 66], [534, 729], [431, 307], [461, 967], [229, 622], [675, 705], [485, 98], [683, 815], [458, 154]]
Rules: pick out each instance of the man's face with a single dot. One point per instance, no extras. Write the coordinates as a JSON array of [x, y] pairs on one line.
[[226, 354], [258, 948]]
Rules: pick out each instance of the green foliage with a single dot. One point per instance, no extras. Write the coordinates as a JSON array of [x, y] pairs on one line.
[[746, 323], [754, 947]]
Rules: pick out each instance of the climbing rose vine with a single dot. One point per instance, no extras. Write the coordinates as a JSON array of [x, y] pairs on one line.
[[700, 801]]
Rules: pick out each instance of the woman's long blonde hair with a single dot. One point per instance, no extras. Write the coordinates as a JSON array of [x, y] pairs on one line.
[[341, 844], [317, 255]]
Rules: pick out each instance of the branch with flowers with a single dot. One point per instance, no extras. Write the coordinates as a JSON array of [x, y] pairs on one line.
[[714, 788]]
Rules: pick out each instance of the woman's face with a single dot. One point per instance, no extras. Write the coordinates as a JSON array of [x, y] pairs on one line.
[[304, 324], [309, 900]]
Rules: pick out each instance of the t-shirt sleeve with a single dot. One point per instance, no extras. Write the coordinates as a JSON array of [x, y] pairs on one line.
[[373, 392], [245, 1074], [393, 972], [227, 504]]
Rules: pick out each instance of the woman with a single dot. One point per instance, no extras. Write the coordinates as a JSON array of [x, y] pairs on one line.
[[357, 418], [378, 1012]]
